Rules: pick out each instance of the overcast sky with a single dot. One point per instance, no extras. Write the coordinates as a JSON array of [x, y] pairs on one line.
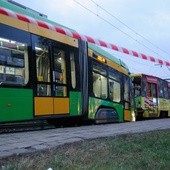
[[129, 24]]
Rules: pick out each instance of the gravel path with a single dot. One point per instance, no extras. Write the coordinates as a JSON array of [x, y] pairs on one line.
[[24, 142]]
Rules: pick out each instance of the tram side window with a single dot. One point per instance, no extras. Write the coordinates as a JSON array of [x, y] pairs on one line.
[[149, 91], [127, 92], [13, 63], [143, 86], [136, 86], [43, 90], [114, 87], [166, 90], [59, 73], [152, 91], [99, 82], [43, 70], [161, 89], [73, 70]]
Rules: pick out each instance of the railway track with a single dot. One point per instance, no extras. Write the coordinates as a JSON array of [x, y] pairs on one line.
[[24, 126], [36, 125]]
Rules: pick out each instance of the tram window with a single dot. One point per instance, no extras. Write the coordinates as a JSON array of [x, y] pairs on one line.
[[166, 90], [126, 89], [114, 90], [61, 91], [114, 75], [136, 86], [99, 86], [42, 63], [13, 62], [149, 92], [99, 82], [143, 86], [59, 72], [160, 85], [169, 93], [114, 86], [73, 70], [43, 90], [59, 66], [111, 89], [97, 68], [127, 92], [152, 91], [137, 90]]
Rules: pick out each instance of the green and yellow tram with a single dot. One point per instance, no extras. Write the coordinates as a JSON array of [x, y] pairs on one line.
[[48, 75], [152, 96]]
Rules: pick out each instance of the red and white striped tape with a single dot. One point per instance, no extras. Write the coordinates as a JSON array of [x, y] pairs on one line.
[[76, 35]]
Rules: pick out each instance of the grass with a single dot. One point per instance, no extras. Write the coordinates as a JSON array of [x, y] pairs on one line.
[[147, 151]]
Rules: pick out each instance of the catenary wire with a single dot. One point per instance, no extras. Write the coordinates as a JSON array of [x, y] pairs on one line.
[[105, 20], [109, 13]]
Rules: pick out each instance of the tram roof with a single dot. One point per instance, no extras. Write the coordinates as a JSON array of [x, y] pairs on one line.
[[19, 8], [107, 55], [148, 75]]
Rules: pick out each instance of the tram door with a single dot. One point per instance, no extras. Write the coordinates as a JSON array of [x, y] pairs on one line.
[[51, 94], [152, 95], [59, 82]]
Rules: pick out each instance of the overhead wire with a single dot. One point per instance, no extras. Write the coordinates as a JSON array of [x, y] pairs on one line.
[[155, 46], [116, 18], [153, 71], [105, 20]]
